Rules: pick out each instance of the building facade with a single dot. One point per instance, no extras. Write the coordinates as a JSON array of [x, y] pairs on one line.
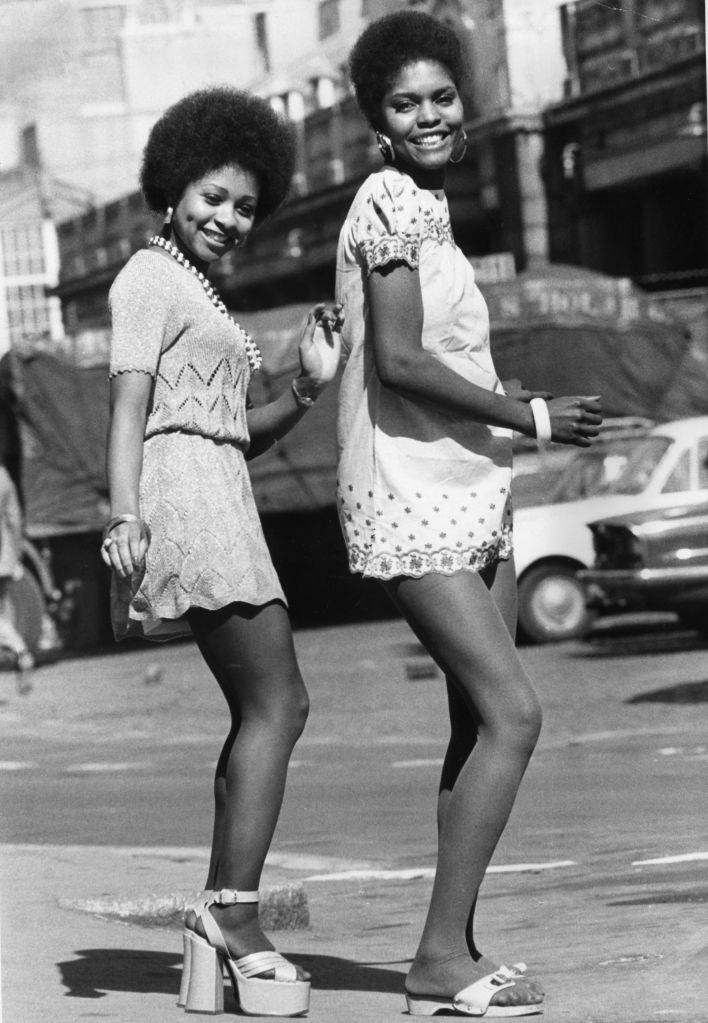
[[626, 147], [585, 124], [497, 194], [31, 203]]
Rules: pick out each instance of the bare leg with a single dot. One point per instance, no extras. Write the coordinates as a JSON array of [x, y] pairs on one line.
[[501, 581], [219, 780], [251, 653], [458, 621]]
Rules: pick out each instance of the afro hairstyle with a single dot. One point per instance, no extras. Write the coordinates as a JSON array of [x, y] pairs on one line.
[[392, 43], [213, 128]]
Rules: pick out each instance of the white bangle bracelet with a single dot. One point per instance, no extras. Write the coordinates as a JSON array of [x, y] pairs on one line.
[[541, 422]]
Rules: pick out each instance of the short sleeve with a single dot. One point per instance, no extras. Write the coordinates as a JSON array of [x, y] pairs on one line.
[[139, 302], [387, 226]]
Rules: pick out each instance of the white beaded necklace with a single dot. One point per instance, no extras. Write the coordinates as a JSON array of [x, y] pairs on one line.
[[255, 359]]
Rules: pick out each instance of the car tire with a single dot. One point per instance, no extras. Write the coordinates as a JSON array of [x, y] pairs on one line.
[[695, 618], [552, 604], [27, 607]]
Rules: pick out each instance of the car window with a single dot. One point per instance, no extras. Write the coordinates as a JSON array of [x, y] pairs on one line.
[[641, 459], [703, 463], [680, 477], [618, 466]]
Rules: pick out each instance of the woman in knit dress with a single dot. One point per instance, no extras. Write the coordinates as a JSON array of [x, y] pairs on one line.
[[424, 482], [184, 540]]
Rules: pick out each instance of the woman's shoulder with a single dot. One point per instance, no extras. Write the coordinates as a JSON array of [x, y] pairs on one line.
[[388, 187], [146, 271]]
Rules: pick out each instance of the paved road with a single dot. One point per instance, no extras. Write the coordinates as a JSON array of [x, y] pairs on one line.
[[120, 749], [117, 751]]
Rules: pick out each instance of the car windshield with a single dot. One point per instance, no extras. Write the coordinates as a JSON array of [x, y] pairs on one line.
[[617, 466], [635, 469]]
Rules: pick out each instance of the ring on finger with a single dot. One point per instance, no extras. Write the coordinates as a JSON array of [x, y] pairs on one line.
[[108, 542]]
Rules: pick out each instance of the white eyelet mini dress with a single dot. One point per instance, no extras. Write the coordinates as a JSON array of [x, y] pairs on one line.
[[207, 547], [419, 489]]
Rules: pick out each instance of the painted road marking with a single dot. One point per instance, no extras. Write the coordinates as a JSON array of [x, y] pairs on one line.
[[431, 762], [662, 860], [283, 860], [679, 751], [16, 765], [413, 873], [306, 861], [107, 768], [410, 874]]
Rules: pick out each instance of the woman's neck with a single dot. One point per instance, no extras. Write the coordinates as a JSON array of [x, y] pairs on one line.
[[431, 180], [201, 265]]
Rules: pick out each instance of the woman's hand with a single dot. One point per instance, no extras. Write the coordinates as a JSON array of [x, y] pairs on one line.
[[125, 547], [515, 389], [321, 345], [575, 419]]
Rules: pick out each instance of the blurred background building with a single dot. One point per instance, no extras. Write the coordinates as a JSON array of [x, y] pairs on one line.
[[587, 152], [586, 122]]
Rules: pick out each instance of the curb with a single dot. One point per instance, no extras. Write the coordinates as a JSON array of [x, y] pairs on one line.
[[282, 908]]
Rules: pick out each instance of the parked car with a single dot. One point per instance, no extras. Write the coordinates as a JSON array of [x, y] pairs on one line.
[[652, 560], [629, 471]]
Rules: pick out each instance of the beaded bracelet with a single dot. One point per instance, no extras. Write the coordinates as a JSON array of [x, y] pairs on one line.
[[542, 422], [116, 521]]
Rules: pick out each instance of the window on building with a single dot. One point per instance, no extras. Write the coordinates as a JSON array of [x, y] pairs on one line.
[[329, 18], [260, 25], [22, 250], [101, 25], [27, 312]]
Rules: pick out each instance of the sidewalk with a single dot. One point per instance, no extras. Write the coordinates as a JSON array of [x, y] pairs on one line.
[[66, 965]]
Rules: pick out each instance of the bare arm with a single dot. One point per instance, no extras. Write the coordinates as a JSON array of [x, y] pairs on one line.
[[406, 367], [268, 423], [130, 394], [319, 350]]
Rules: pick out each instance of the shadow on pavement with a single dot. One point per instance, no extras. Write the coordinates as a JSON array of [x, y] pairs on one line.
[[330, 973], [683, 692], [637, 641], [97, 971]]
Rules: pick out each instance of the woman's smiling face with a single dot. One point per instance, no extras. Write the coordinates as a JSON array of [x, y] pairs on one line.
[[422, 114], [216, 212]]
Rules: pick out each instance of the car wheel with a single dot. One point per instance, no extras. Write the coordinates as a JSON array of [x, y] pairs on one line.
[[552, 604], [695, 618], [26, 604]]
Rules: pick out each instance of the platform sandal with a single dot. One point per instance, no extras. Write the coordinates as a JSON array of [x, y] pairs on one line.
[[280, 994], [187, 935], [476, 999]]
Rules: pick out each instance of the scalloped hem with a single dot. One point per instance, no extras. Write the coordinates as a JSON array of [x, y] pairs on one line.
[[415, 564], [116, 371]]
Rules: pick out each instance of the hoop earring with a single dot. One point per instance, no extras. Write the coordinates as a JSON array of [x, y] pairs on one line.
[[460, 148], [385, 148]]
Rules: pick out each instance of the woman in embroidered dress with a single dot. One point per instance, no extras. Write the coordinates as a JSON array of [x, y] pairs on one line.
[[184, 541], [424, 480]]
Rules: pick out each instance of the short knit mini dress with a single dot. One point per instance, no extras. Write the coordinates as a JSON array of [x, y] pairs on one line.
[[206, 543], [419, 489]]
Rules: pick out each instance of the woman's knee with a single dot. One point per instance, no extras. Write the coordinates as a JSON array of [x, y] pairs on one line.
[[284, 708], [522, 723], [298, 709]]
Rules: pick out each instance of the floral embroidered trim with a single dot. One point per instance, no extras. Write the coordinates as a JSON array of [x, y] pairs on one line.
[[380, 251], [437, 228], [419, 563]]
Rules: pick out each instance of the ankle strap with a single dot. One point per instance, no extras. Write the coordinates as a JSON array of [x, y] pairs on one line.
[[231, 896]]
